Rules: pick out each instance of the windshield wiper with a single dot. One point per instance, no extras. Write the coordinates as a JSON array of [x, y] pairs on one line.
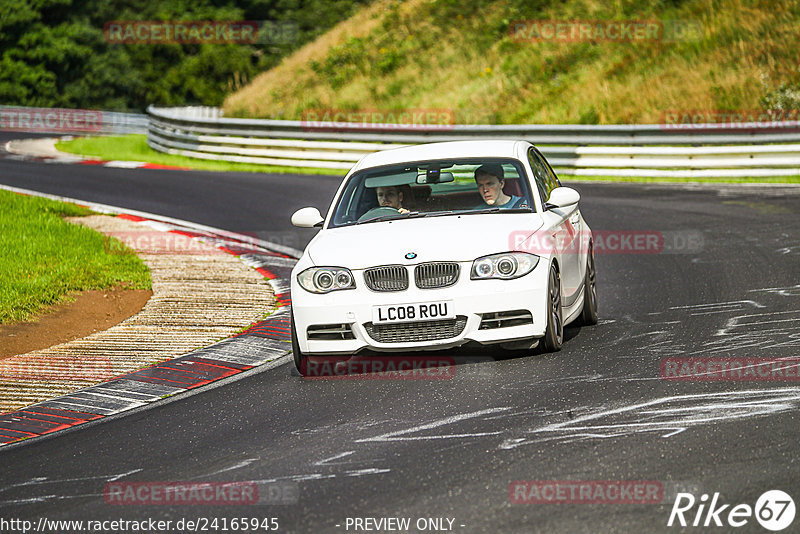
[[497, 210], [438, 213], [409, 215]]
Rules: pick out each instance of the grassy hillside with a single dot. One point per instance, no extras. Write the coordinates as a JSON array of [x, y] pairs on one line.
[[461, 56]]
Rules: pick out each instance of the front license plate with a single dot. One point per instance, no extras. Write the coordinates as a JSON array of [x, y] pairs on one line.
[[420, 311]]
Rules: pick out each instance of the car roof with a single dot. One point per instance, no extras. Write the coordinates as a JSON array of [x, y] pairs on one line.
[[479, 148]]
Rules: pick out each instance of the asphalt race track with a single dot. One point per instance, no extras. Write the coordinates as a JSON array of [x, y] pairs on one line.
[[246, 205], [724, 283]]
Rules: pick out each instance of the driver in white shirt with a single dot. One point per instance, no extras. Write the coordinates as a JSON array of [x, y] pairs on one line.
[[390, 197]]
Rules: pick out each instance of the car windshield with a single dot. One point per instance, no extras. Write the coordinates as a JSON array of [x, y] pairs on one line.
[[433, 188]]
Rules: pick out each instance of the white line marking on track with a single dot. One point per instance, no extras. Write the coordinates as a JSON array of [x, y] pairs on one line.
[[672, 415], [327, 461], [395, 436]]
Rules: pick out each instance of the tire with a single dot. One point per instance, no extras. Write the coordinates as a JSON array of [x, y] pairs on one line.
[[554, 333], [589, 312], [300, 359]]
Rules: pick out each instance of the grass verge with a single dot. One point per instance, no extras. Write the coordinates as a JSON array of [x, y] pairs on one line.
[[43, 258], [134, 147]]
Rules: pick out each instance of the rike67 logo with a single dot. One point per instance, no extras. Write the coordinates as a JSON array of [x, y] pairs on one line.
[[774, 510]]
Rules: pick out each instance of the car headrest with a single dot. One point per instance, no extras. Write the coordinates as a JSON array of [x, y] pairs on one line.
[[511, 187]]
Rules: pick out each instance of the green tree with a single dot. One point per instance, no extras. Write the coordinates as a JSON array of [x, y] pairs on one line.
[[54, 53]]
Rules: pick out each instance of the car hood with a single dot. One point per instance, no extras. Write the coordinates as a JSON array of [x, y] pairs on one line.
[[443, 238]]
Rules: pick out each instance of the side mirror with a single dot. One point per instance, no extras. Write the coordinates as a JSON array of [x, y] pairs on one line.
[[307, 218], [561, 197]]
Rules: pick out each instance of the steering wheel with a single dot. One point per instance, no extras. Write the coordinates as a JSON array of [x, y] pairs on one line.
[[380, 211]]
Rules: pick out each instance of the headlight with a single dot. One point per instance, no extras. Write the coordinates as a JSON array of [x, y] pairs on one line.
[[326, 279], [504, 266]]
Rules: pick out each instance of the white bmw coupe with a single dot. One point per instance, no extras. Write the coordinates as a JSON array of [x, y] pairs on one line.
[[438, 245]]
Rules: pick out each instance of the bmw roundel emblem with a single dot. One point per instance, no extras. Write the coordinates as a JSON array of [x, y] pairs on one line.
[[411, 255]]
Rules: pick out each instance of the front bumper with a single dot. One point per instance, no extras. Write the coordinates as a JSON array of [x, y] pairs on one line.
[[472, 300]]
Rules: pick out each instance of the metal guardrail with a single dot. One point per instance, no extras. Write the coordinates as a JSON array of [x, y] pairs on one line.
[[124, 123], [69, 121], [572, 149]]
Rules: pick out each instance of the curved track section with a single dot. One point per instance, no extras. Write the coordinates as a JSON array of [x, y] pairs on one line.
[[247, 204], [722, 284]]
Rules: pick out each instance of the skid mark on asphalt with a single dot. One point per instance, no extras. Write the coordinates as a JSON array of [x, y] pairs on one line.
[[345, 464], [330, 461], [753, 322], [760, 331], [71, 490], [233, 467], [334, 462], [793, 249], [788, 291], [666, 416], [717, 307], [402, 435], [662, 342], [736, 328], [349, 426], [325, 476]]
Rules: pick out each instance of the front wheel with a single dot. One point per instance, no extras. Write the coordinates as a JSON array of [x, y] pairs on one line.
[[554, 333], [589, 312], [300, 359]]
